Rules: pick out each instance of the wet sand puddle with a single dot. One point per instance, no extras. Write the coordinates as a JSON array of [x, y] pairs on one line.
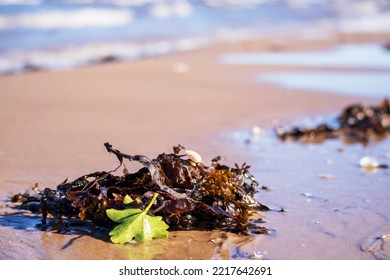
[[333, 208], [333, 72], [349, 83], [361, 55]]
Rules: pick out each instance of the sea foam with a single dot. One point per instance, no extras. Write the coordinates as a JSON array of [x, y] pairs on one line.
[[75, 19]]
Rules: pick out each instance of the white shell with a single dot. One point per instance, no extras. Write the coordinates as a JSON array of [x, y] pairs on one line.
[[194, 156], [257, 131], [368, 162]]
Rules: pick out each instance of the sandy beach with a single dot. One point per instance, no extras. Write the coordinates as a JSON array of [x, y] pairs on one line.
[[54, 124]]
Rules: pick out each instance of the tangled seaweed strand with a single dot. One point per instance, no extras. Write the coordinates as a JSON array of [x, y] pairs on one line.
[[356, 124], [191, 195]]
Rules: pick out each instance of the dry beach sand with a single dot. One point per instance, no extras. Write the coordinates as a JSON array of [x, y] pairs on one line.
[[53, 126]]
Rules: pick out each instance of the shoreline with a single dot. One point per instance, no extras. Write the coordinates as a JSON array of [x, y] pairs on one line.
[[306, 37], [55, 123]]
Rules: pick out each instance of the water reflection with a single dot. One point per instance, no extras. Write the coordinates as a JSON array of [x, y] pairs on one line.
[[372, 84], [373, 59], [347, 56]]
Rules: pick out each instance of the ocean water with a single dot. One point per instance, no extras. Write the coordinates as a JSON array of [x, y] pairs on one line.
[[366, 84], [365, 56], [362, 69], [61, 34]]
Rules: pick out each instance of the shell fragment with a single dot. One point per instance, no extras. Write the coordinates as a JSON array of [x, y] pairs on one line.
[[368, 162], [194, 156]]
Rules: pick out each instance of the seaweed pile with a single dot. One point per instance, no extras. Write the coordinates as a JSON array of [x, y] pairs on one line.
[[355, 124], [191, 195]]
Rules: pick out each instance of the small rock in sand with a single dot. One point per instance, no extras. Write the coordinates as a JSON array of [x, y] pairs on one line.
[[368, 162]]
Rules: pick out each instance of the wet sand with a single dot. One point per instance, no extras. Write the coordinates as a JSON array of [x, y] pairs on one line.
[[53, 126]]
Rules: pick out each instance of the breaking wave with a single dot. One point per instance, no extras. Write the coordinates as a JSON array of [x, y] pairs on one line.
[[75, 19], [61, 34]]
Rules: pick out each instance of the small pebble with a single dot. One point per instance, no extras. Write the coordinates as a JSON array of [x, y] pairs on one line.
[[257, 131], [368, 162], [181, 68]]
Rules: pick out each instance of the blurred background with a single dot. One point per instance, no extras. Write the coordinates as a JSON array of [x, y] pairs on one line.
[[63, 34]]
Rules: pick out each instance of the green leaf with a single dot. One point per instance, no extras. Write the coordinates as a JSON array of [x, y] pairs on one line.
[[136, 224], [127, 200]]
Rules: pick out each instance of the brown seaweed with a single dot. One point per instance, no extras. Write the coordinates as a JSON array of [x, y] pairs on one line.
[[191, 195], [355, 124]]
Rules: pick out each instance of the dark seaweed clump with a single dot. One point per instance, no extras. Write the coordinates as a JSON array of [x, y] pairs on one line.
[[191, 194], [355, 124]]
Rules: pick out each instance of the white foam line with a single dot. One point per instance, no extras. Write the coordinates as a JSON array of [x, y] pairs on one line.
[[166, 10], [366, 24], [81, 18], [20, 2], [72, 57]]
